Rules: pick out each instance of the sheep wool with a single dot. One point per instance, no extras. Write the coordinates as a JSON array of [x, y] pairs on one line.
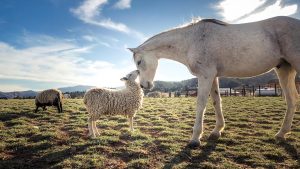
[[154, 94], [50, 97], [126, 102]]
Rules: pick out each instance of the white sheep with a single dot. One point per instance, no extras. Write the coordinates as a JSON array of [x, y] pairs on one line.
[[126, 102], [50, 97], [155, 94]]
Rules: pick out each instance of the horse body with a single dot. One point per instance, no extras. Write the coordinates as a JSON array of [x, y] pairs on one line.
[[236, 49], [211, 49]]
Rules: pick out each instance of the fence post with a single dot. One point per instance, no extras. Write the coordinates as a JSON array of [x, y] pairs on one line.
[[230, 91], [258, 90]]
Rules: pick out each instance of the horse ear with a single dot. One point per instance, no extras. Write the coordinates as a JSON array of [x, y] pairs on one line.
[[133, 50], [124, 79]]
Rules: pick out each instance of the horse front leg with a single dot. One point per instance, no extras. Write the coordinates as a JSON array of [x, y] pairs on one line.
[[204, 87], [217, 103]]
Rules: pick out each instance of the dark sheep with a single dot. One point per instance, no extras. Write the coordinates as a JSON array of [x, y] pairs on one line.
[[50, 97]]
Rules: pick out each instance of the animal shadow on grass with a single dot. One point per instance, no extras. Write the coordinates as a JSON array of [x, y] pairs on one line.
[[287, 146], [27, 156], [8, 116], [194, 161], [291, 150]]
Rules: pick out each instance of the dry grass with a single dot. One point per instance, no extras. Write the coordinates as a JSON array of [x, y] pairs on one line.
[[163, 128]]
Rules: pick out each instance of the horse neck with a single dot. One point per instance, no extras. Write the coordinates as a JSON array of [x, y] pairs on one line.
[[168, 45]]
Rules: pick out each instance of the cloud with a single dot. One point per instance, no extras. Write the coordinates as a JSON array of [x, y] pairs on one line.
[[62, 61], [234, 9], [93, 39], [237, 11], [88, 38], [270, 11], [90, 12], [123, 4], [10, 87]]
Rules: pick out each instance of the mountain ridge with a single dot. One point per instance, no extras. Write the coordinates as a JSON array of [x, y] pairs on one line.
[[163, 86]]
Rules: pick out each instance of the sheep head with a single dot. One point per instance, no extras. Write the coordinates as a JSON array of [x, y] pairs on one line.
[[131, 76]]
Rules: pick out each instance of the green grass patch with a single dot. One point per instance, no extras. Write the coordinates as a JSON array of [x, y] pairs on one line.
[[163, 127]]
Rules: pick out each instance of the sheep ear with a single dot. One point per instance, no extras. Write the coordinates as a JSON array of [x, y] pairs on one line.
[[124, 79], [133, 50]]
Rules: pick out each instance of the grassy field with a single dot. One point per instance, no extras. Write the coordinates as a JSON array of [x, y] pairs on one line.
[[163, 128]]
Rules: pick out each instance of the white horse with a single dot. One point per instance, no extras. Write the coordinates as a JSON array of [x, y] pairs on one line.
[[212, 48]]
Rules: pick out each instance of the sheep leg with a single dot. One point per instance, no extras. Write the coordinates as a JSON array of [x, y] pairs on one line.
[[95, 128], [58, 107], [131, 123], [36, 109], [61, 108], [90, 126]]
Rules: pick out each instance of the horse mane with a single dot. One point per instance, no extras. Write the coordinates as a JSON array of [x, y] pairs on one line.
[[192, 23], [214, 21]]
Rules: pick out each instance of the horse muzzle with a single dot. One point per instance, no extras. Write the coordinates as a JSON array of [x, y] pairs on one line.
[[148, 85]]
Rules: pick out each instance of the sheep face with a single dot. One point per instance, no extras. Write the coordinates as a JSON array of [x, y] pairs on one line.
[[131, 76]]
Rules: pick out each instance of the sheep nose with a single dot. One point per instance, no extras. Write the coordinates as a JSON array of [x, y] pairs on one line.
[[142, 86], [138, 72]]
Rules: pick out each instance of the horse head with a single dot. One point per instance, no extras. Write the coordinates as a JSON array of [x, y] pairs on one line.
[[146, 62]]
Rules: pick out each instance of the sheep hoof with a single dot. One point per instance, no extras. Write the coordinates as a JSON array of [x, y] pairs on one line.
[[214, 136], [194, 144], [92, 136]]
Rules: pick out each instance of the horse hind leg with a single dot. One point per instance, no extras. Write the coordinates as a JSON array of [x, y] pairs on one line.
[[286, 74], [217, 102]]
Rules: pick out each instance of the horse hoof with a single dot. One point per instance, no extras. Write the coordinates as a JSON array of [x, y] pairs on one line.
[[280, 138], [194, 144], [214, 136]]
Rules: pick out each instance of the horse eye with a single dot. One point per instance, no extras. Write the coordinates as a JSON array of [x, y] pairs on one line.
[[139, 62]]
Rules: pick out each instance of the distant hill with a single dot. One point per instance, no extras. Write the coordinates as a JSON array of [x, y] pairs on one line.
[[19, 94], [224, 82], [163, 86], [32, 94], [3, 95], [79, 88]]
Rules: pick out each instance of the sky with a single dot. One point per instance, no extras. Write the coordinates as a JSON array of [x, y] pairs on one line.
[[58, 43]]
